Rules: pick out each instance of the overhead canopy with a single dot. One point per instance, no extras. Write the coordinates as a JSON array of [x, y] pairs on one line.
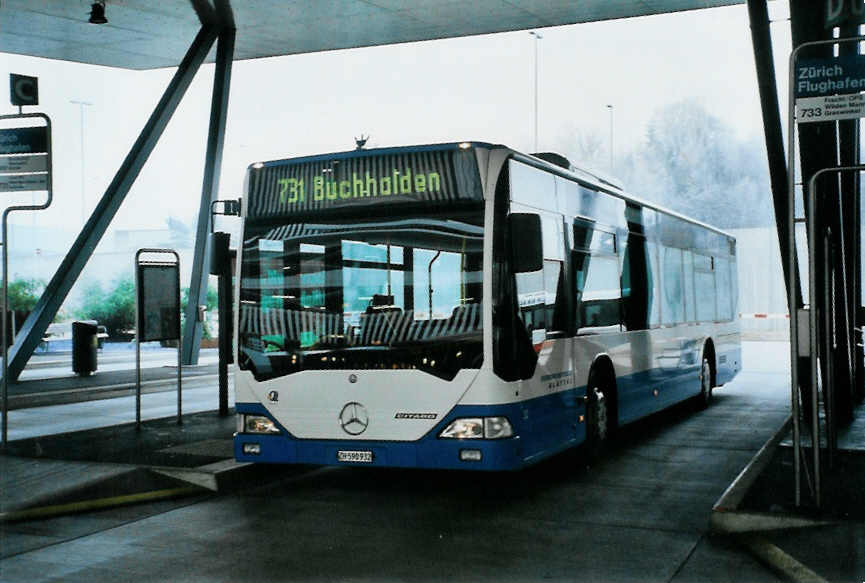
[[148, 34]]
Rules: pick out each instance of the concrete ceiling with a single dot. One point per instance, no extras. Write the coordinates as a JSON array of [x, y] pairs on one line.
[[148, 34]]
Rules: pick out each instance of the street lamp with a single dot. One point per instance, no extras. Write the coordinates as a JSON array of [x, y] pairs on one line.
[[538, 36], [81, 105], [610, 107]]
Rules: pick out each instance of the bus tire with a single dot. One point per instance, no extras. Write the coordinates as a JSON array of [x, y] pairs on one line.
[[704, 399], [598, 426]]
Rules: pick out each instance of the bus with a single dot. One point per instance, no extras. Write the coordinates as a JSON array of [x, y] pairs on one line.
[[466, 306]]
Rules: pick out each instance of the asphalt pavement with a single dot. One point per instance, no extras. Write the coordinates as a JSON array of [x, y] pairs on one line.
[[642, 513]]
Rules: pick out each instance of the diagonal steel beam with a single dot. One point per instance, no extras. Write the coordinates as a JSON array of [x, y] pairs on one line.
[[209, 192], [69, 270]]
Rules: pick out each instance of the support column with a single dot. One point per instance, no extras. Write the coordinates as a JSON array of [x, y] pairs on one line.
[[209, 192], [67, 273], [764, 61], [847, 269]]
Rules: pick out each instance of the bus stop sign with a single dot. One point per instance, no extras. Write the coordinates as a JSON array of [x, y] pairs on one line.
[[23, 90]]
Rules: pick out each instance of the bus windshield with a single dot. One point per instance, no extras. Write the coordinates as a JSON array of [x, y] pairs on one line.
[[358, 294]]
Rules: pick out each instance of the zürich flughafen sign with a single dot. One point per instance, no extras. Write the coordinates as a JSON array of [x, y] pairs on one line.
[[815, 77]]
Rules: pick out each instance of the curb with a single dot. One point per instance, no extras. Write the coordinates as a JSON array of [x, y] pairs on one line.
[[83, 394], [727, 519], [97, 504]]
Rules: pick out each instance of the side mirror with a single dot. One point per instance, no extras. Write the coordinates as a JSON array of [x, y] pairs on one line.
[[220, 256], [526, 242]]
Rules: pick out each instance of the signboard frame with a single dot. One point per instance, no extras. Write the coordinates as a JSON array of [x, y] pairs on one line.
[[43, 136], [145, 274]]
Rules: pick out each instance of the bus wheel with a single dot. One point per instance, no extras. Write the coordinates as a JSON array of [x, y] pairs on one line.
[[705, 384], [598, 427]]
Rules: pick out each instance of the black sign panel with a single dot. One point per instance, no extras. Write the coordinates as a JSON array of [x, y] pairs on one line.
[[23, 90], [840, 75], [841, 12], [32, 140], [365, 179], [158, 302]]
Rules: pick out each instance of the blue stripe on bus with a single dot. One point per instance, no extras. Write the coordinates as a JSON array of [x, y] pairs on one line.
[[543, 427]]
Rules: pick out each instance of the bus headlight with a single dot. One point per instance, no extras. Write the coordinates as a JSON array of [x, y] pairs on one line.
[[464, 429], [258, 424], [497, 427], [478, 428]]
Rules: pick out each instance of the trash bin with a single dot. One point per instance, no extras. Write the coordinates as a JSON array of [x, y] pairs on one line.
[[84, 345]]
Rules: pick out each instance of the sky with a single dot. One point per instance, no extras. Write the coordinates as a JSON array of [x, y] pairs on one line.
[[476, 88]]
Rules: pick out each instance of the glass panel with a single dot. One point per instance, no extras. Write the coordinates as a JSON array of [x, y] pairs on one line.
[[690, 308], [704, 281], [598, 291], [532, 187], [722, 279], [636, 283], [325, 295], [654, 285], [673, 307]]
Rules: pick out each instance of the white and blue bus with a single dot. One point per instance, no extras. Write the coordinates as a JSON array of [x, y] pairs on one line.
[[466, 306]]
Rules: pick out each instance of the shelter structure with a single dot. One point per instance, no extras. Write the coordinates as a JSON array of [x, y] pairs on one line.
[[148, 34]]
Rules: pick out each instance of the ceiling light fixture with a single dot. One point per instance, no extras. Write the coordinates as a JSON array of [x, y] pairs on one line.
[[97, 13]]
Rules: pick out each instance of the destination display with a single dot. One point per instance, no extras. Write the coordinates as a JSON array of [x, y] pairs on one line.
[[364, 180]]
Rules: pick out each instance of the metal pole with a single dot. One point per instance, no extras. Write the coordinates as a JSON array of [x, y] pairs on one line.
[[5, 260], [610, 107], [538, 36], [791, 274], [179, 347], [830, 343], [224, 338], [137, 343], [81, 105]]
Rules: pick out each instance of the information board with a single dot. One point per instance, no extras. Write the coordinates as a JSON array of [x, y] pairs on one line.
[[24, 159], [830, 108], [158, 301], [32, 140]]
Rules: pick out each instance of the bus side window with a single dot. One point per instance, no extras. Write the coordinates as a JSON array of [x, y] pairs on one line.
[[688, 269], [704, 280], [542, 302], [725, 299], [673, 306], [636, 286], [655, 284], [597, 284]]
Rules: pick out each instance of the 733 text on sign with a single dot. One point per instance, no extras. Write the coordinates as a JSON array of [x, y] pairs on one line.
[[830, 108]]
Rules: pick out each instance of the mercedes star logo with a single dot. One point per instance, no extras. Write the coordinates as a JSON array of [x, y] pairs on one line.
[[353, 418]]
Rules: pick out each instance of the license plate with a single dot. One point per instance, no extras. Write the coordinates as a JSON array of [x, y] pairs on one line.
[[363, 457]]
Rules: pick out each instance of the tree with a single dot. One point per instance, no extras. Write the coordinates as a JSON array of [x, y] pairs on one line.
[[692, 163], [24, 293], [211, 301], [179, 233], [585, 147], [115, 309]]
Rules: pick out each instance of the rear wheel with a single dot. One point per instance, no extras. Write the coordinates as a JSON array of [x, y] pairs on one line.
[[597, 416], [705, 397]]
